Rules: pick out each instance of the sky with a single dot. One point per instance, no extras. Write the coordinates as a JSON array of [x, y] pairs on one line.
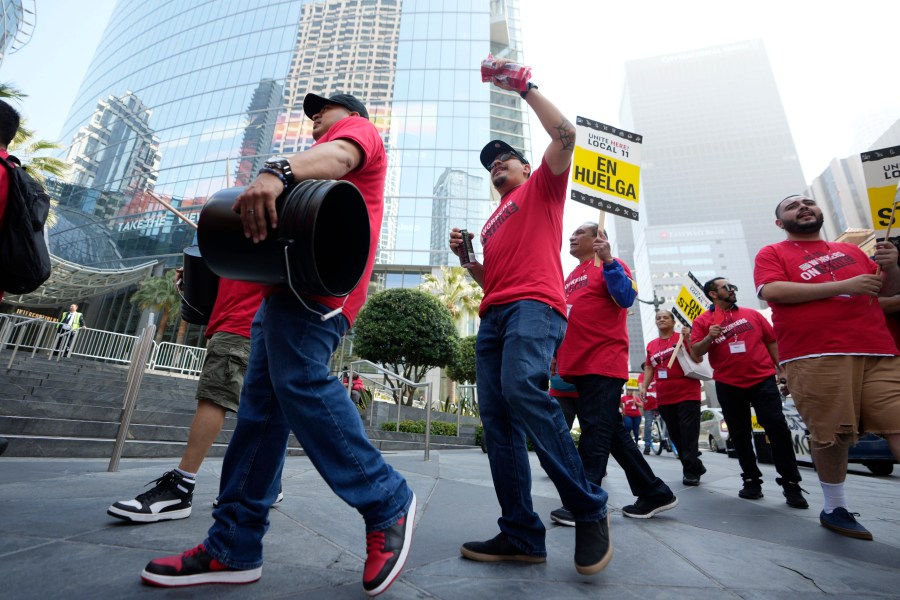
[[834, 61]]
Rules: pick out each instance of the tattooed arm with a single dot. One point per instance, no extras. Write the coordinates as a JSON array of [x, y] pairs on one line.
[[558, 155]]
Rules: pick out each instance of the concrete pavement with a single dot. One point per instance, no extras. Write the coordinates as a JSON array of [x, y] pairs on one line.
[[57, 541]]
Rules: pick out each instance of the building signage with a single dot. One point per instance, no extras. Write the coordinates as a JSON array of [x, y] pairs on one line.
[[606, 168]]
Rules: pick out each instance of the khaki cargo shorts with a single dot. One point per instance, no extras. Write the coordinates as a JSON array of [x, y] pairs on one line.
[[223, 371], [846, 394]]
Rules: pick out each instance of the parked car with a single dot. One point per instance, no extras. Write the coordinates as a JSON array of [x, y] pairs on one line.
[[871, 450], [713, 429]]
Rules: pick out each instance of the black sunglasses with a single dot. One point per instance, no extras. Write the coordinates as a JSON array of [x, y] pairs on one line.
[[729, 287]]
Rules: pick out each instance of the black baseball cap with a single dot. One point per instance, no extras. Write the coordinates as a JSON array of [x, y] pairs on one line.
[[496, 147], [312, 104]]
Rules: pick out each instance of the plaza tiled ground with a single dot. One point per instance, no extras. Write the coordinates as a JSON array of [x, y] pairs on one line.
[[57, 541]]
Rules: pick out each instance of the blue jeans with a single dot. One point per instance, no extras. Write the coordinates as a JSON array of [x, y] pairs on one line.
[[288, 387], [515, 344], [603, 433], [633, 424], [649, 415]]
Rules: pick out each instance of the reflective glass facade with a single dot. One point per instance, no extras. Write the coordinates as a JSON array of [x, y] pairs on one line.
[[16, 25], [183, 99]]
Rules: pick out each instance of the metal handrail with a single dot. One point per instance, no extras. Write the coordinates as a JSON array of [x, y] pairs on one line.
[[412, 384], [168, 356]]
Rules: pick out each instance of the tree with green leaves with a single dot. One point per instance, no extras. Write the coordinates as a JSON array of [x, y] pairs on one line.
[[159, 295], [25, 146], [462, 368], [408, 331], [456, 290]]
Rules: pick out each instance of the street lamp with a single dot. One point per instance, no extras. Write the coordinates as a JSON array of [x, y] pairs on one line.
[[656, 302]]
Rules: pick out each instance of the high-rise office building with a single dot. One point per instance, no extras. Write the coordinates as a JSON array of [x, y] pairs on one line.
[[222, 83], [717, 148], [17, 20]]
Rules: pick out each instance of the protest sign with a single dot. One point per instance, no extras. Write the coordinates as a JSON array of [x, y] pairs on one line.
[[606, 169], [882, 172]]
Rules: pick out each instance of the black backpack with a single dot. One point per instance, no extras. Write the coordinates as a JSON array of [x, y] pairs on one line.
[[24, 254]]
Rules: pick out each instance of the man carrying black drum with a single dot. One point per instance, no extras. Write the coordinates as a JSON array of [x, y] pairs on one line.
[[288, 386]]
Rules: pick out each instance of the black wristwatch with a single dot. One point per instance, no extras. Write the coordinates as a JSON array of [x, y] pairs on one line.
[[283, 166], [528, 87]]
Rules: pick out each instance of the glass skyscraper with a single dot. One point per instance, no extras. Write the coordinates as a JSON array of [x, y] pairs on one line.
[[183, 99], [16, 25]]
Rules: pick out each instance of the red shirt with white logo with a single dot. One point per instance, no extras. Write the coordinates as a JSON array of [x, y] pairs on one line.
[[630, 407], [836, 325], [739, 355], [596, 341], [236, 305], [672, 386], [521, 243]]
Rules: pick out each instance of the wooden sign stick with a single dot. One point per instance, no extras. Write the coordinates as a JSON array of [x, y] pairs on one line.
[[601, 225], [174, 210], [675, 354], [887, 234]]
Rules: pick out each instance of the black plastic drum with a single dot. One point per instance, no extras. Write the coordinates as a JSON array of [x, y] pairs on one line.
[[199, 290], [322, 239]]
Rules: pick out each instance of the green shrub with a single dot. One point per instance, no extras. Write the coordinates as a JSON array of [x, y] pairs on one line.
[[437, 427]]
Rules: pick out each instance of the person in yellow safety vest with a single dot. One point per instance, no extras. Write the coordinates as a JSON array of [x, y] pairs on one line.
[[69, 321]]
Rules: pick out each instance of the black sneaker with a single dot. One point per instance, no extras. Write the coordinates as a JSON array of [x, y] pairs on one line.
[[497, 549], [793, 493], [386, 552], [194, 567], [563, 517], [690, 480], [843, 522], [169, 499], [752, 489], [593, 550], [645, 509], [647, 449]]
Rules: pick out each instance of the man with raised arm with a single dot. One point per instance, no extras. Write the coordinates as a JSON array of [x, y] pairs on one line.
[[523, 320]]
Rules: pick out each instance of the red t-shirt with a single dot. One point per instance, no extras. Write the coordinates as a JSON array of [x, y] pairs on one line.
[[369, 177], [672, 386], [235, 307], [836, 325], [521, 243], [739, 355], [630, 407], [596, 341], [4, 192]]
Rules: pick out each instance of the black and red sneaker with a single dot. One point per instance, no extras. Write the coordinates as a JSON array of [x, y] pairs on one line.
[[386, 552], [194, 567]]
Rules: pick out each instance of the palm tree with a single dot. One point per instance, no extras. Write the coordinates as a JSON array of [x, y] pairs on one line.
[[457, 291], [159, 295], [24, 146]]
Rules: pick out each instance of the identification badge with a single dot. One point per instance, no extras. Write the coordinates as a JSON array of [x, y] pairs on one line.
[[662, 374], [737, 347], [568, 309]]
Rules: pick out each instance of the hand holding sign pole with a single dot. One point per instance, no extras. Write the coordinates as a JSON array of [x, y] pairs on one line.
[[690, 303], [606, 170]]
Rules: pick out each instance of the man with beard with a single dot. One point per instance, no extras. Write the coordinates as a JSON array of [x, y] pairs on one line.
[[842, 368], [742, 351]]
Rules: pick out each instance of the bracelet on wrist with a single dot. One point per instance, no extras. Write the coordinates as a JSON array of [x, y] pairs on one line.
[[528, 87], [276, 174]]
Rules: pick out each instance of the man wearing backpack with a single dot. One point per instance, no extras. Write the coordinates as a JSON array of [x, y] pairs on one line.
[[24, 206], [9, 125]]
